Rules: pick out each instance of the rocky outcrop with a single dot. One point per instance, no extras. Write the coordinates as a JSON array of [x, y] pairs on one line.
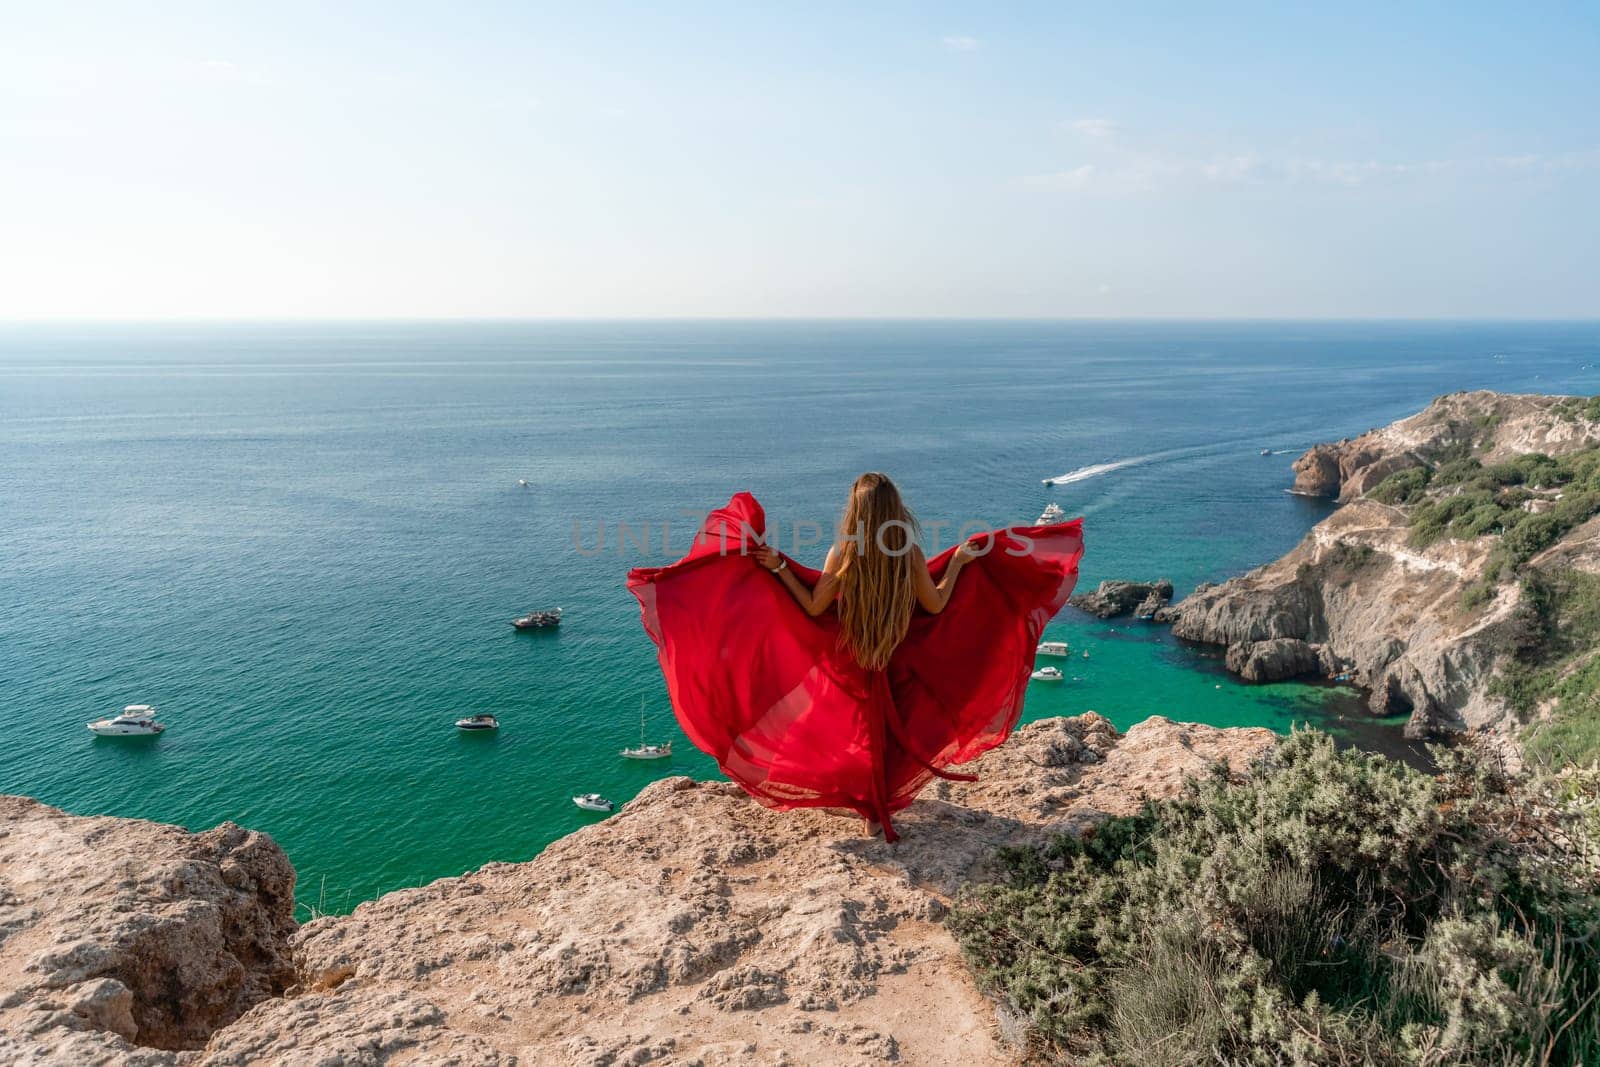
[[692, 927], [1273, 660], [1491, 426], [118, 935], [1369, 604], [1115, 597]]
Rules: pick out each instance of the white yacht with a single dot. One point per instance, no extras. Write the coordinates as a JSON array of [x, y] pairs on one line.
[[1047, 674], [593, 802], [1053, 648], [136, 720], [1051, 515], [644, 751], [478, 722]]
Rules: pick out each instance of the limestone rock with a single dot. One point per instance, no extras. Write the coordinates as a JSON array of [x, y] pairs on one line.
[[1376, 608], [1115, 597], [1273, 660], [124, 941]]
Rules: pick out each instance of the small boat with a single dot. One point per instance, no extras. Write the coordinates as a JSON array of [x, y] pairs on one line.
[[1053, 648], [136, 720], [645, 751], [539, 620], [593, 802], [1046, 674], [523, 482], [478, 722], [1266, 451], [1051, 515]]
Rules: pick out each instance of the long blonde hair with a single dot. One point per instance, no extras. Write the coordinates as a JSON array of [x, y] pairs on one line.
[[876, 589]]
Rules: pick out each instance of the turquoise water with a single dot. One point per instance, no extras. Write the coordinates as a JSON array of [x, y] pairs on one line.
[[304, 542]]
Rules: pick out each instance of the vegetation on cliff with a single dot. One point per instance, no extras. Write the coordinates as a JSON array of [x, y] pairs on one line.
[[1553, 675], [1332, 908]]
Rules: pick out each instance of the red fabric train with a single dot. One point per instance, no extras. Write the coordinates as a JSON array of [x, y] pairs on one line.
[[768, 692]]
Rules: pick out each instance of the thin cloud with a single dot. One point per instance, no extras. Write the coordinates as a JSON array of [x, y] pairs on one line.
[[1129, 173], [957, 42], [1098, 129]]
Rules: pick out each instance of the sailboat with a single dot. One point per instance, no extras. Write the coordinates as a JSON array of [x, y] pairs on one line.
[[645, 751]]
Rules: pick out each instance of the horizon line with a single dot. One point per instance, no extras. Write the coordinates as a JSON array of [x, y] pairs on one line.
[[516, 319]]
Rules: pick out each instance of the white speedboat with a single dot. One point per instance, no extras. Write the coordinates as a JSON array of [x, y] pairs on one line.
[[136, 720], [1046, 674], [1051, 515], [478, 722], [644, 751], [1053, 648], [593, 802]]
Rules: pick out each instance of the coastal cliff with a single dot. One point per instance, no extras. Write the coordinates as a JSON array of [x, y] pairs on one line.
[[1422, 587], [693, 927]]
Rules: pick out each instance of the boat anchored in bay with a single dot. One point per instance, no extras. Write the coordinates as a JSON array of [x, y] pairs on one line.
[[539, 620], [136, 720], [644, 751]]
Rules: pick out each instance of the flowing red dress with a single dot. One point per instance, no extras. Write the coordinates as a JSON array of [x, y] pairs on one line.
[[789, 715]]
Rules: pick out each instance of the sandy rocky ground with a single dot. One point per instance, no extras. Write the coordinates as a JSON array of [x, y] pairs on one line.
[[694, 927]]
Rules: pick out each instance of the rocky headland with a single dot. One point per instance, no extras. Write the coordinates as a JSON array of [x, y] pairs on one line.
[[694, 927], [1418, 587]]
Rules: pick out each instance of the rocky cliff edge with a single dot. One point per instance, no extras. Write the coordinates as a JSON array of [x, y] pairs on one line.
[[694, 927]]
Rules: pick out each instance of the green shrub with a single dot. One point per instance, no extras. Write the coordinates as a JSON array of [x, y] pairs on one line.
[[1532, 536], [1555, 667], [1333, 908], [1402, 487]]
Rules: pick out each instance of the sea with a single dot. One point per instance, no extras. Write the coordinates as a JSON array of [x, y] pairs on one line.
[[304, 542]]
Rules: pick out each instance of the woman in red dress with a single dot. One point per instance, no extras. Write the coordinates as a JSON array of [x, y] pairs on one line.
[[856, 685]]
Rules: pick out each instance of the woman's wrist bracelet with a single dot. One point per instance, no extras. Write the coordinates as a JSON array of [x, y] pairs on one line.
[[782, 563]]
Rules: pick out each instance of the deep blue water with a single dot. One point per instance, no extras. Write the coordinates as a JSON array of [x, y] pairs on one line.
[[303, 542]]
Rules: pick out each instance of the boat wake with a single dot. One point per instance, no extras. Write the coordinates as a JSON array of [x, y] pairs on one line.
[[1094, 470]]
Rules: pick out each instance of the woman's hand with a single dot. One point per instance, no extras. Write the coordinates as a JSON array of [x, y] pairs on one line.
[[768, 557], [970, 549]]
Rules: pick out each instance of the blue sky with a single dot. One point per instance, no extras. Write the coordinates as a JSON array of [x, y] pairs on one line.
[[873, 159]]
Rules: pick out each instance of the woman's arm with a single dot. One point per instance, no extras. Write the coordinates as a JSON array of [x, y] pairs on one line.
[[934, 596], [814, 601]]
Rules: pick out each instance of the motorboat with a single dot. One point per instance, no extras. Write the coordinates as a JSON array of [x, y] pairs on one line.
[[1047, 674], [1051, 515], [1266, 451], [645, 751], [593, 802], [539, 620], [1053, 648], [478, 722], [523, 482], [136, 720]]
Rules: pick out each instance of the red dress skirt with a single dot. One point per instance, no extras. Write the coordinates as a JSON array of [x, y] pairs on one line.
[[789, 715]]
